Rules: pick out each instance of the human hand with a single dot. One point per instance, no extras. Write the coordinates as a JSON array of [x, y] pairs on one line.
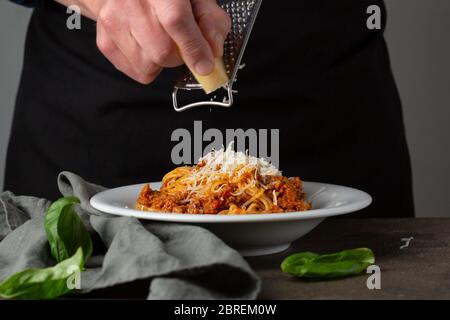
[[140, 37]]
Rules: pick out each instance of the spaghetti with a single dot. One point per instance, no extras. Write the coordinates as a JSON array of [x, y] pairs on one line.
[[225, 182]]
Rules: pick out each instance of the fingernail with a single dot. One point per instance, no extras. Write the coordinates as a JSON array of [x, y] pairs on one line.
[[204, 67], [220, 40]]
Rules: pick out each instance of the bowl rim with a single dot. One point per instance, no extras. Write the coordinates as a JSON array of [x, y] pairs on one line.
[[363, 201]]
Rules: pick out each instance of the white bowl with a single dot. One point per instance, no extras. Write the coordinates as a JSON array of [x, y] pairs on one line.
[[251, 234]]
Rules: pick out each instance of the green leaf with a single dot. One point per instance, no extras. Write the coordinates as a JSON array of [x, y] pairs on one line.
[[71, 246], [46, 283], [65, 230], [328, 266]]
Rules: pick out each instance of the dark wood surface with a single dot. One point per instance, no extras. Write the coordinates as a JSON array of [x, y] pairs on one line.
[[419, 271]]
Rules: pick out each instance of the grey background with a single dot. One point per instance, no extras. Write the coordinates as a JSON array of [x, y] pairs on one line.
[[418, 39]]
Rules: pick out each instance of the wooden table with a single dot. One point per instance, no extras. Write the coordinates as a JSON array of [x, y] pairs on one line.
[[419, 271]]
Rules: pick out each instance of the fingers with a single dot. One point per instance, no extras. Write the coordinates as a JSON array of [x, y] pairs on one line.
[[116, 41], [177, 19], [142, 36], [154, 40], [214, 23], [120, 61]]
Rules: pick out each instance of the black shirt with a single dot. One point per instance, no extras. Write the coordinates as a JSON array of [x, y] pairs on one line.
[[314, 71]]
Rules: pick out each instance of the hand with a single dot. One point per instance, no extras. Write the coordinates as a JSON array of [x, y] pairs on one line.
[[140, 37]]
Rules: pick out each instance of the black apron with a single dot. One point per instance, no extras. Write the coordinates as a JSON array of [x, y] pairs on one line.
[[313, 70]]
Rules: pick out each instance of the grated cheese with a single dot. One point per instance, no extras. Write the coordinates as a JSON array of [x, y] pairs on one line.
[[232, 164], [230, 161]]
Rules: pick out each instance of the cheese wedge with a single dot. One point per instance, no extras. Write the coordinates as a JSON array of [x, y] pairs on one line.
[[216, 79]]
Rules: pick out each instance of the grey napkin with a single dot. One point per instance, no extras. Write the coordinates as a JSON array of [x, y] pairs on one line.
[[182, 261]]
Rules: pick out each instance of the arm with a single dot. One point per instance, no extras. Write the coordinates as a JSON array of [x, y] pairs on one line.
[[140, 37]]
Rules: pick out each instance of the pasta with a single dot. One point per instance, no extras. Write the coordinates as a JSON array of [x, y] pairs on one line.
[[225, 182]]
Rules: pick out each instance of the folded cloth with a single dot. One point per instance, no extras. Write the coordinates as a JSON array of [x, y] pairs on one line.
[[181, 261]]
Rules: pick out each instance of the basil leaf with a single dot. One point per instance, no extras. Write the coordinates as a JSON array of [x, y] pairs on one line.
[[65, 230], [46, 283], [328, 266]]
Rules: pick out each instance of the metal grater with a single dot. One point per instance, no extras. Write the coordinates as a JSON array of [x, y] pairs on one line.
[[243, 15]]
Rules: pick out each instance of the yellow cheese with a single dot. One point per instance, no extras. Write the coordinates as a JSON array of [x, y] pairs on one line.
[[216, 79]]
